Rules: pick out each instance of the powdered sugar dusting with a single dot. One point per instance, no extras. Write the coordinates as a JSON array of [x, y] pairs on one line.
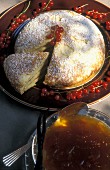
[[80, 52], [16, 65]]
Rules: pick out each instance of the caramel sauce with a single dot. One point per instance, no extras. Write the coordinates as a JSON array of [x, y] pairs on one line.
[[77, 142]]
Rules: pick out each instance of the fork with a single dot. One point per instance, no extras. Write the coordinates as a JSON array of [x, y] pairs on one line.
[[9, 159]]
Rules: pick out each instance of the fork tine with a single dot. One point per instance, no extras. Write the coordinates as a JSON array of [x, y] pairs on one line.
[[9, 159], [10, 162], [16, 152]]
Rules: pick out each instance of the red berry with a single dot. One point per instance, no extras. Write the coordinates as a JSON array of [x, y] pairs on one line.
[[108, 73], [57, 31], [80, 92], [17, 24], [38, 10], [79, 96], [44, 90], [85, 91], [92, 90], [21, 21], [88, 13], [3, 35], [73, 97], [108, 27], [104, 84], [75, 8], [61, 29], [1, 39], [17, 20], [1, 43], [68, 96], [43, 4], [56, 27], [97, 90], [58, 39], [108, 79], [75, 92], [57, 97], [53, 42], [91, 13], [104, 14], [11, 29], [100, 82], [95, 11], [13, 26], [35, 13], [48, 8], [23, 16], [51, 3], [58, 36], [91, 87], [95, 83], [79, 10], [95, 15], [107, 22], [100, 16]]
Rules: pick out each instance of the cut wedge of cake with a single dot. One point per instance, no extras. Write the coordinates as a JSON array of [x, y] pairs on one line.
[[23, 70]]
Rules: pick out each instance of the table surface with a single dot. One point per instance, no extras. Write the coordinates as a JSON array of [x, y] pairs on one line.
[[14, 112]]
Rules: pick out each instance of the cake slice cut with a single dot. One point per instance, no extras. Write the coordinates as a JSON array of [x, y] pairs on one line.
[[77, 58], [23, 70]]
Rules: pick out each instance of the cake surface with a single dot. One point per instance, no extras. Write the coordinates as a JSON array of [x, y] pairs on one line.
[[23, 70], [77, 58]]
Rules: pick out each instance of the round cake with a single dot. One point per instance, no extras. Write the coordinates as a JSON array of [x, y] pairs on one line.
[[77, 142], [77, 58]]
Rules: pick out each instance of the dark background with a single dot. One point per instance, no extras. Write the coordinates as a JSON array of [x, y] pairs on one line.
[[17, 123]]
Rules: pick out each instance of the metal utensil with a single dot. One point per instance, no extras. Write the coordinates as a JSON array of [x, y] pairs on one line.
[[9, 159]]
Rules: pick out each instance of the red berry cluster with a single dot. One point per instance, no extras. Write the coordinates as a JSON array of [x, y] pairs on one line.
[[4, 40], [108, 25], [56, 34], [5, 37], [96, 15], [93, 88], [93, 14], [45, 92], [17, 21], [43, 6], [80, 9]]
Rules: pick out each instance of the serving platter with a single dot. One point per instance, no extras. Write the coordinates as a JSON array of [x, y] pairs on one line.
[[95, 90]]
